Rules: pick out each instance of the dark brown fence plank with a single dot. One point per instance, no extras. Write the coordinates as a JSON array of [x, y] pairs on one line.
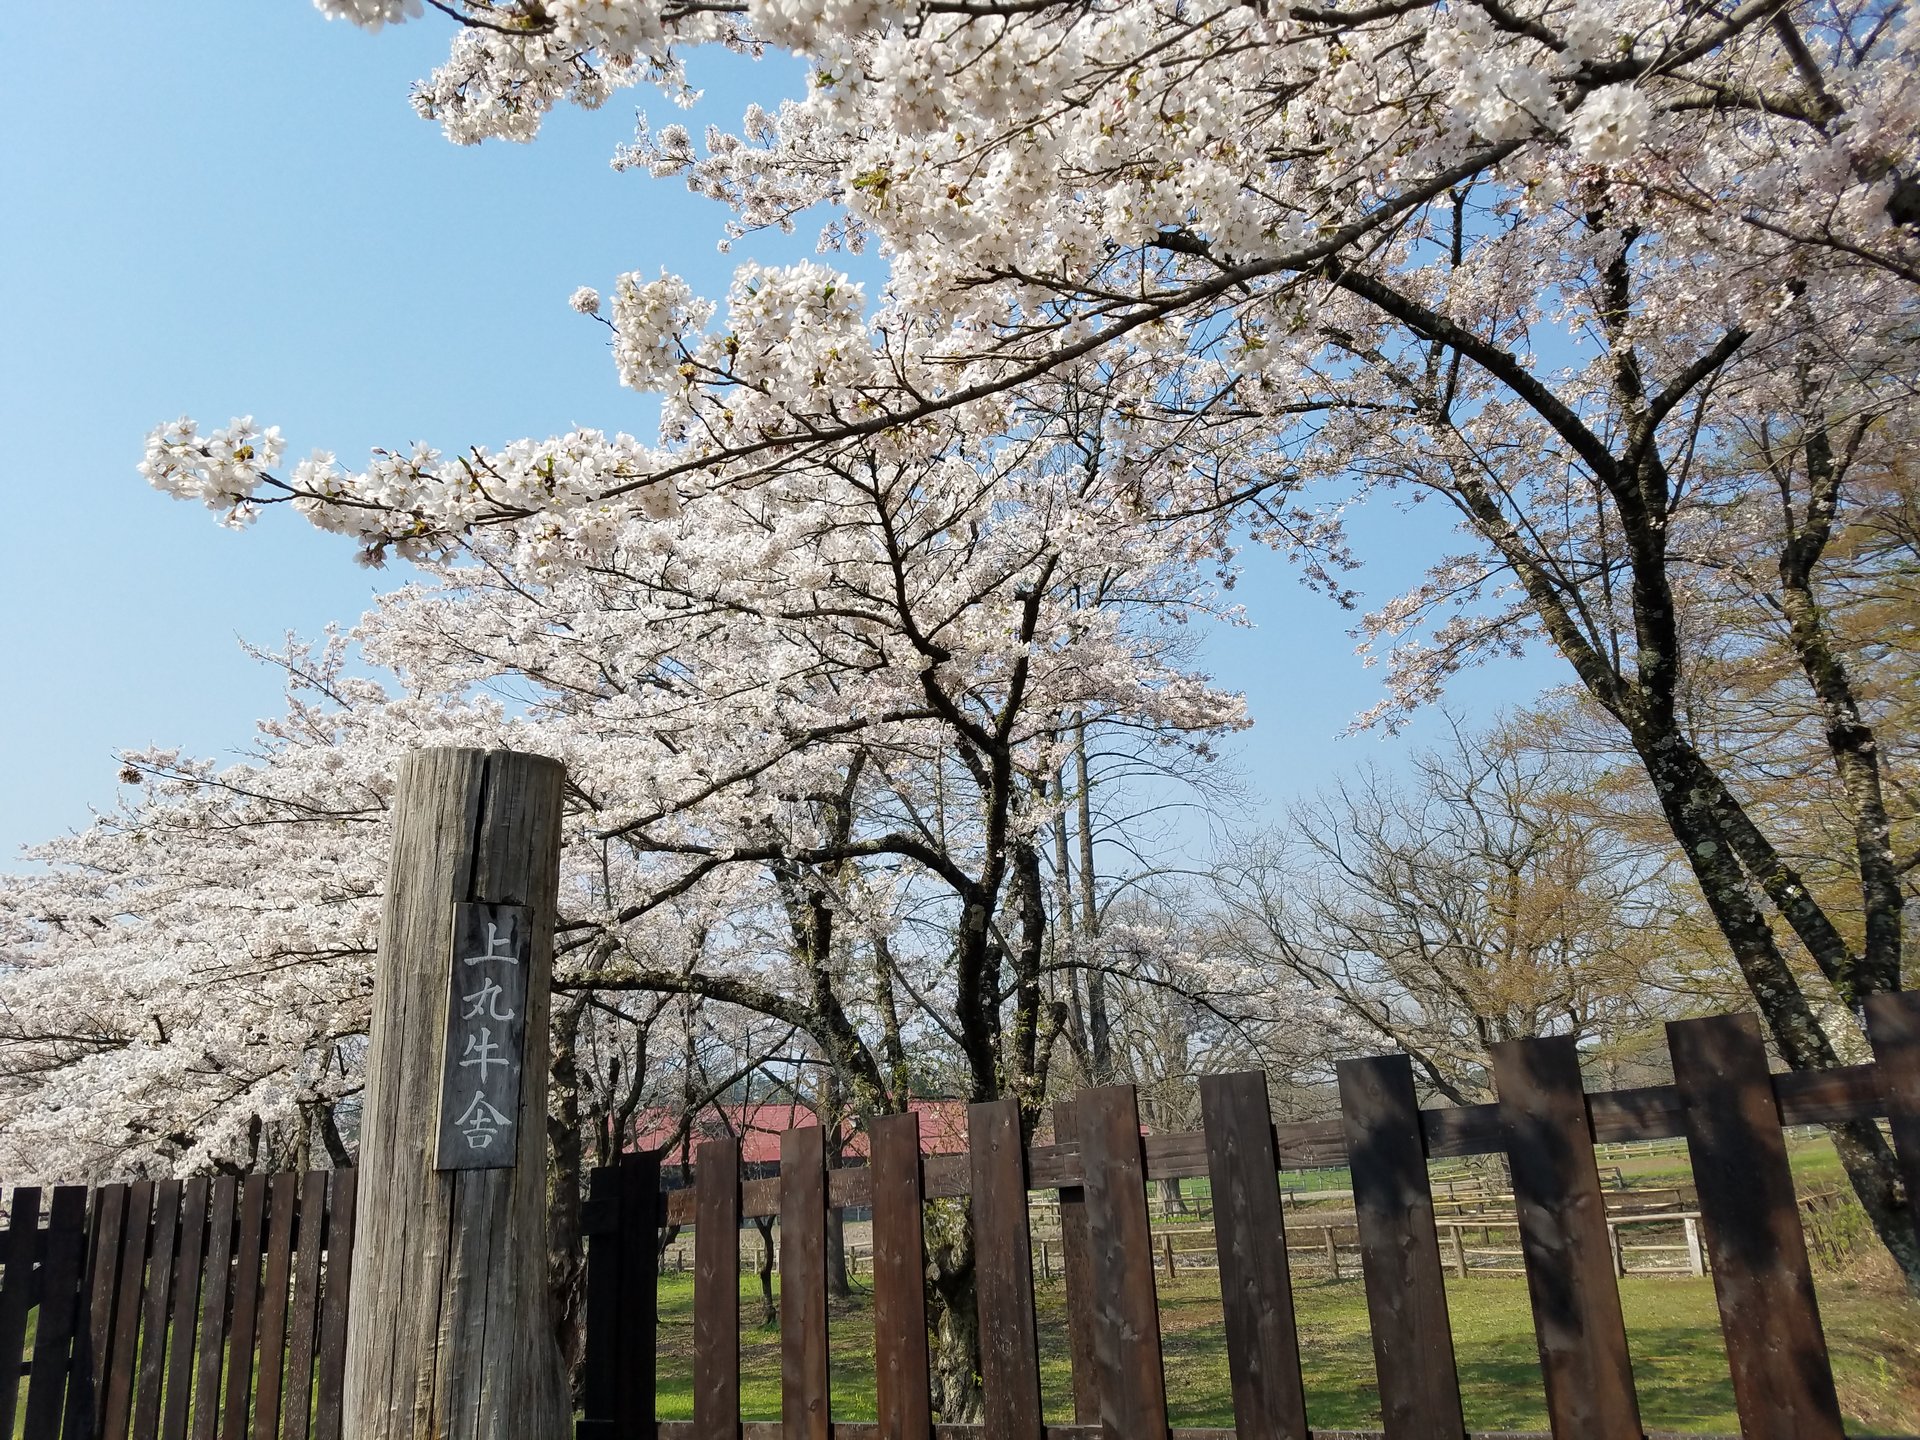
[[804, 1413], [903, 1401], [1003, 1273], [606, 1238], [844, 1430], [639, 1293], [1893, 1024], [267, 1391], [716, 1291], [17, 1295], [1076, 1268], [153, 1318], [117, 1366], [1564, 1240], [216, 1284], [1399, 1251], [244, 1310], [96, 1342], [1256, 1292], [310, 1239], [56, 1331], [1782, 1381], [185, 1303], [1133, 1388], [342, 1189]]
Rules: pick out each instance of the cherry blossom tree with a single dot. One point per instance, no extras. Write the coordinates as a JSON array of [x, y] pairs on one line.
[[810, 735], [1628, 285]]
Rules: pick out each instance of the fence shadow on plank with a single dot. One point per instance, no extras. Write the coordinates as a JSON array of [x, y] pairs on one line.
[[1724, 1104], [204, 1309]]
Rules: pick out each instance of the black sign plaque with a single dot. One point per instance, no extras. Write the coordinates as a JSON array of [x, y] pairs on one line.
[[486, 1038]]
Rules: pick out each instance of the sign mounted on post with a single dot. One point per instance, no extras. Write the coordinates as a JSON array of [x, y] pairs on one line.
[[486, 1035]]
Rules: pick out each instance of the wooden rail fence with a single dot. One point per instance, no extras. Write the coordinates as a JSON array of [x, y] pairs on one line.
[[204, 1309], [1724, 1102]]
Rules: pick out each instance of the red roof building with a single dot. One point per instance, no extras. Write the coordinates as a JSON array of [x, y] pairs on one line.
[[760, 1124]]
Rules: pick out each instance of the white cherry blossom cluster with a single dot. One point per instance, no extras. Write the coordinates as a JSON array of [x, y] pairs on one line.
[[223, 468], [1611, 126], [1052, 180], [372, 14], [499, 87], [650, 321], [1265, 223], [703, 674], [804, 26]]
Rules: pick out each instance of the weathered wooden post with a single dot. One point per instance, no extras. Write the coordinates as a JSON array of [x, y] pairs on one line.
[[449, 1335]]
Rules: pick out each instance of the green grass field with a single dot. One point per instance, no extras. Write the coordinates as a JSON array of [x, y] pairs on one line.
[[1679, 1365]]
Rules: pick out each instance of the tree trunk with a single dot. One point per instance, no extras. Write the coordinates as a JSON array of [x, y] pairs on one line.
[[566, 1254], [1692, 808], [953, 1314], [1099, 1024], [337, 1153], [763, 1270], [839, 1287], [1875, 1174], [833, 1105], [449, 1332]]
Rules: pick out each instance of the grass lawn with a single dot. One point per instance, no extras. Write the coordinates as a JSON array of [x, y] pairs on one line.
[[1679, 1364], [1816, 1165]]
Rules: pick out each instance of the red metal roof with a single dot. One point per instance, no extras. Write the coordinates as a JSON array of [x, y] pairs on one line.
[[759, 1125]]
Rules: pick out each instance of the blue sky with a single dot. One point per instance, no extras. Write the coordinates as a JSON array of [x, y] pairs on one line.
[[228, 208]]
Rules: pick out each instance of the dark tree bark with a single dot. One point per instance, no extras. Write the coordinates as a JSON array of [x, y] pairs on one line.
[[1100, 1069], [566, 1253], [953, 1313], [1728, 852], [763, 1270], [338, 1155]]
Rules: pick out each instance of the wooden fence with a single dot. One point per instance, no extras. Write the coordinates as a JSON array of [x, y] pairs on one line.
[[1724, 1102], [205, 1309]]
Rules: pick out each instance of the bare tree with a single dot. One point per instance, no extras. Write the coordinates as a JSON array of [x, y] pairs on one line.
[[1470, 903]]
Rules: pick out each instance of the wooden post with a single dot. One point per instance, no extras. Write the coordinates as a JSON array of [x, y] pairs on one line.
[[1399, 1251], [1459, 1251], [1893, 1022], [1696, 1258], [1250, 1243], [1570, 1250], [1133, 1392], [1076, 1270], [1003, 1272], [1762, 1279], [449, 1335], [902, 1388]]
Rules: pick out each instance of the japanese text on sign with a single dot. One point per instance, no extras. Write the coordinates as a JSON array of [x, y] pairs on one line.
[[485, 1038]]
